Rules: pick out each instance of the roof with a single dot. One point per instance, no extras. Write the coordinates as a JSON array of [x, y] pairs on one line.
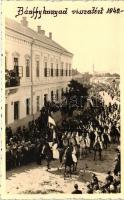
[[18, 27]]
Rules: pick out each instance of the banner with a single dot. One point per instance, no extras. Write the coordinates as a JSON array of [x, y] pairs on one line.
[[51, 121]]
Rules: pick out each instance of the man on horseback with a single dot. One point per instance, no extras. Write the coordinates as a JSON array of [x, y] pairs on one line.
[[97, 147], [68, 161]]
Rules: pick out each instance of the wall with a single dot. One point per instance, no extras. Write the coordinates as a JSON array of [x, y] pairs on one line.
[[38, 86]]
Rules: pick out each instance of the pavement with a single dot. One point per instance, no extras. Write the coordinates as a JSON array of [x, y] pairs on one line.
[[35, 179]]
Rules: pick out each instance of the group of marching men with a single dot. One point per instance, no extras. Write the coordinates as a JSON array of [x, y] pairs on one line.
[[33, 144], [69, 145], [27, 145]]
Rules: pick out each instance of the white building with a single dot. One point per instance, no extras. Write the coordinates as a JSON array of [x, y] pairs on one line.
[[43, 65]]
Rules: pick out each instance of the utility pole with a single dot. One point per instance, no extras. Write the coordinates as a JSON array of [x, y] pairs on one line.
[[93, 69]]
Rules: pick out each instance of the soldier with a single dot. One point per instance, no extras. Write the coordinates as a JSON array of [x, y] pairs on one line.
[[14, 155], [8, 158], [19, 155], [105, 139], [48, 155]]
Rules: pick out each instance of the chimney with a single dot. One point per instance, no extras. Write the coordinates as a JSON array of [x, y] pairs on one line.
[[39, 29], [50, 35], [24, 21]]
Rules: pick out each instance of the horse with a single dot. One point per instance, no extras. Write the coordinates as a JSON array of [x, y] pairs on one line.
[[97, 148], [68, 161], [68, 154]]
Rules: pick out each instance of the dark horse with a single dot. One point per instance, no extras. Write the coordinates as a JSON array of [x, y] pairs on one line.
[[97, 148], [68, 162]]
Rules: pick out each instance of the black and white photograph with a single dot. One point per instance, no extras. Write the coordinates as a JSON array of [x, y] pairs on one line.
[[62, 98]]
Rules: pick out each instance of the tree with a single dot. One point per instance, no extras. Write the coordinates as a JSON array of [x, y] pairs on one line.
[[76, 96]]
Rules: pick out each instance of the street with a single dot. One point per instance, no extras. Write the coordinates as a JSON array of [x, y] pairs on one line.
[[35, 179]]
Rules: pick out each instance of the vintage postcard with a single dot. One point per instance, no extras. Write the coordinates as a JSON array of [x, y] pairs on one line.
[[62, 120]]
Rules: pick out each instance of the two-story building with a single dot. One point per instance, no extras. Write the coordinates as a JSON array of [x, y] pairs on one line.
[[37, 70]]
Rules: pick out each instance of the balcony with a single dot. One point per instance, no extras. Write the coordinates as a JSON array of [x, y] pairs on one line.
[[12, 82], [12, 79]]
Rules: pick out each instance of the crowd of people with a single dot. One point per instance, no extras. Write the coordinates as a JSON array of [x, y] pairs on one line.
[[90, 132], [111, 184], [11, 78]]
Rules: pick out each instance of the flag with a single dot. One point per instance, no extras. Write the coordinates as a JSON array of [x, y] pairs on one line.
[[51, 121], [91, 102]]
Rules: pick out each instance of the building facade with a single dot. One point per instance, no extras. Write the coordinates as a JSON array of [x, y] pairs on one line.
[[37, 70]]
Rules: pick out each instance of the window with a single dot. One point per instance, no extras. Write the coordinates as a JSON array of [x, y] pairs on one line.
[[27, 68], [45, 98], [37, 68], [70, 70], [52, 96], [16, 67], [57, 70], [66, 69], [45, 69], [51, 69], [15, 61], [38, 103], [16, 110], [62, 69], [27, 106], [57, 95]]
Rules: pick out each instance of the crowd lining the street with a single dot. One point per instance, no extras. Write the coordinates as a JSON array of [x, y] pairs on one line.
[[91, 132]]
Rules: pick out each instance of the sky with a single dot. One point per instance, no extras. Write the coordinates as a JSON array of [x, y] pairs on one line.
[[93, 39]]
